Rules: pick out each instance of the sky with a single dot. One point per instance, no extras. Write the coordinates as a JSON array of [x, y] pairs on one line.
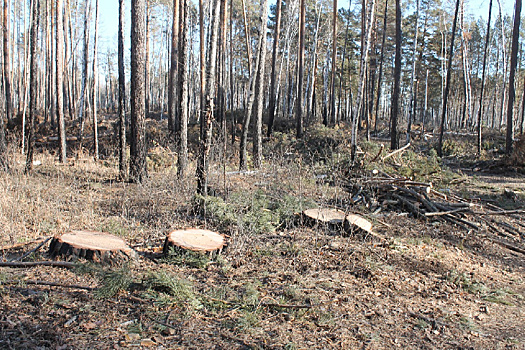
[[109, 17]]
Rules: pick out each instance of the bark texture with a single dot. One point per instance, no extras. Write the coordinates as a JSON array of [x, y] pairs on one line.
[[138, 170]]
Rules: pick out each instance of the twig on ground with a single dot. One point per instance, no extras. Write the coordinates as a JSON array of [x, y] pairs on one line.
[[50, 284], [33, 250], [38, 263]]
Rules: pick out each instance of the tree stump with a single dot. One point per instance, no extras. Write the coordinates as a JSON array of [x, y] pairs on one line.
[[332, 218], [355, 224], [196, 240], [91, 245]]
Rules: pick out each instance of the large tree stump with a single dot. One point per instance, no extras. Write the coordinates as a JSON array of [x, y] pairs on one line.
[[331, 218], [196, 240], [91, 245]]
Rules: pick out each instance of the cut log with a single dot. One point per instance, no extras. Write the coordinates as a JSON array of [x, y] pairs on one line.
[[196, 240], [325, 216], [96, 246]]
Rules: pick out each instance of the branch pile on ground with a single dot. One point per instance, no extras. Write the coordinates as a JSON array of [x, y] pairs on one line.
[[380, 191]]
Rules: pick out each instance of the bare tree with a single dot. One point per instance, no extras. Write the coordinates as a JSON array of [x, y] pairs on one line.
[[257, 139], [394, 141], [85, 60], [7, 64], [273, 77], [447, 83], [300, 68], [205, 144], [121, 93], [334, 62], [182, 101], [138, 170], [413, 78], [172, 93], [35, 14], [512, 89], [482, 88], [60, 81], [95, 85], [381, 61]]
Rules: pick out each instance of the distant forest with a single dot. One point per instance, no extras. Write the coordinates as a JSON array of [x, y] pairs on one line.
[[383, 67]]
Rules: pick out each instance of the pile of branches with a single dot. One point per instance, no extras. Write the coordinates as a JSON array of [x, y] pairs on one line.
[[379, 191]]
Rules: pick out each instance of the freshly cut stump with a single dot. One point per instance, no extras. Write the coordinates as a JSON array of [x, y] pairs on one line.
[[196, 240], [91, 245], [325, 216], [355, 223]]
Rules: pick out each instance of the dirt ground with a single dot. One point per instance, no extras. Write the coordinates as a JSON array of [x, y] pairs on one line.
[[426, 285]]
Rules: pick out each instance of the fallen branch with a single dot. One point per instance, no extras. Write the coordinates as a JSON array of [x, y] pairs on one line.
[[288, 306], [504, 212], [508, 246], [33, 250], [21, 245], [440, 213], [45, 283], [400, 150], [38, 263], [378, 153]]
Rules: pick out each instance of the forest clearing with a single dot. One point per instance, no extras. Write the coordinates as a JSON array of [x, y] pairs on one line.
[[281, 282], [258, 175]]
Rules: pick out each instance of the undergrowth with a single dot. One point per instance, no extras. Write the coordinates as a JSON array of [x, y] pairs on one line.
[[252, 213]]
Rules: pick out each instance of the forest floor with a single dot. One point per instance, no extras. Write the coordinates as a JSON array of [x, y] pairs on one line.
[[279, 284]]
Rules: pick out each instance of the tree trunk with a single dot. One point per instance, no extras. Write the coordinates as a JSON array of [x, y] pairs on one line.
[[202, 164], [300, 68], [7, 64], [512, 89], [334, 63], [363, 78], [257, 140], [254, 75], [480, 111], [84, 71], [33, 85], [447, 83], [271, 115], [60, 82], [394, 142], [147, 86], [182, 100], [172, 91], [138, 170], [121, 94], [380, 77], [202, 70], [95, 85], [413, 77]]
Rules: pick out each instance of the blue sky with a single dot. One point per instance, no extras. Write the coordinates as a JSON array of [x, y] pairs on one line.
[[109, 16]]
